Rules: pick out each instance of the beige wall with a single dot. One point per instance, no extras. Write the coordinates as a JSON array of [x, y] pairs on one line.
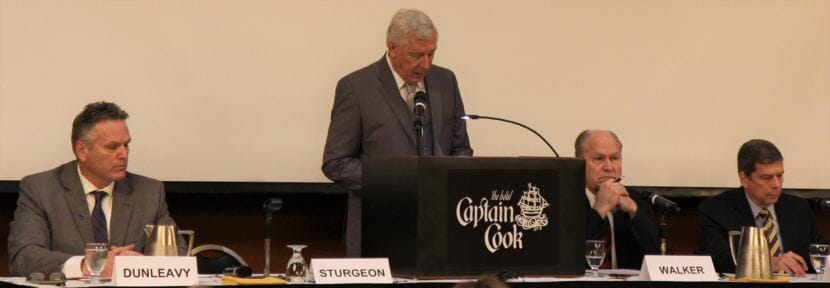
[[242, 89]]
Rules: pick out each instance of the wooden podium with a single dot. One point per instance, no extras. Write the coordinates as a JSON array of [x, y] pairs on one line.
[[463, 216]]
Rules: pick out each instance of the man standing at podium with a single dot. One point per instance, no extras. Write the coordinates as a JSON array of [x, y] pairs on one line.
[[788, 220], [92, 199], [619, 216], [372, 113]]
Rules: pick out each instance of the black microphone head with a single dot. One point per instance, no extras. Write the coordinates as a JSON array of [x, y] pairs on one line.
[[241, 271], [420, 97], [272, 205]]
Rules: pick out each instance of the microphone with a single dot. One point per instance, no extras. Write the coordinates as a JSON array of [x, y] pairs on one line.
[[420, 106], [241, 271], [476, 117], [820, 204], [662, 204], [270, 206]]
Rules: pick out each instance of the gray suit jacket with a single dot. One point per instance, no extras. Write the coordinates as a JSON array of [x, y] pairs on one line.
[[52, 219], [369, 118]]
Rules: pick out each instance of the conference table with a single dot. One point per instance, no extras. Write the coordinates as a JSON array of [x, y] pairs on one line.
[[519, 282]]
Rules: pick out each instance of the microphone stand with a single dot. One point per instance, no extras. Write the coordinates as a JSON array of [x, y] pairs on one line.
[[271, 205], [664, 231], [476, 117], [419, 134]]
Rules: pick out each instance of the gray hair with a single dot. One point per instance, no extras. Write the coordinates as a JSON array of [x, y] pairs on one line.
[[409, 22], [579, 145], [91, 115]]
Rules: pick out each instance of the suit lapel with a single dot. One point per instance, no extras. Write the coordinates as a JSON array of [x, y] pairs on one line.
[[435, 106], [122, 211], [76, 200], [742, 206], [390, 91]]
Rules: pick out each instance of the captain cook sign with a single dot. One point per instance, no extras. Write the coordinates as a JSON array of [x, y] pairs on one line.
[[502, 222], [501, 216]]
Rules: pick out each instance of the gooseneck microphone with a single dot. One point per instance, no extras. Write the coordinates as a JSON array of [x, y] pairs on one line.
[[241, 271], [270, 206], [662, 204], [420, 107], [476, 117]]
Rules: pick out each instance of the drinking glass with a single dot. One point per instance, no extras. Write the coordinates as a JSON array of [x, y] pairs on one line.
[[818, 257], [594, 254], [296, 269], [96, 259]]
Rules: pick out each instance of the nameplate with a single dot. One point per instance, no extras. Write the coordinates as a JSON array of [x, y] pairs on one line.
[[351, 270], [677, 268], [155, 271]]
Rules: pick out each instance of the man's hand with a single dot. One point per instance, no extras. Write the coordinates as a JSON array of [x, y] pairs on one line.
[[790, 263], [114, 251], [628, 205], [608, 197]]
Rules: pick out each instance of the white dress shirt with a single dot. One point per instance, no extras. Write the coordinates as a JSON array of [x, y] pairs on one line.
[[72, 266]]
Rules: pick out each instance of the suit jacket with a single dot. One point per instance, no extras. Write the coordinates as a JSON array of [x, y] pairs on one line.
[[369, 117], [729, 211], [52, 219], [634, 237]]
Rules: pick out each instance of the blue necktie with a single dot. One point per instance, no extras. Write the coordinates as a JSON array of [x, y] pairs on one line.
[[99, 220]]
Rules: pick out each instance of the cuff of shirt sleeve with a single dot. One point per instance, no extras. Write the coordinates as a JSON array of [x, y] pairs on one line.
[[72, 267]]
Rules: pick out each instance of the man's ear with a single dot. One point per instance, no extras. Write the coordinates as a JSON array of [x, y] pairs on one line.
[[80, 150], [744, 179]]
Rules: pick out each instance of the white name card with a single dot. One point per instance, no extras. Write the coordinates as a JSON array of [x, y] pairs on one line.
[[678, 268], [155, 271], [351, 270]]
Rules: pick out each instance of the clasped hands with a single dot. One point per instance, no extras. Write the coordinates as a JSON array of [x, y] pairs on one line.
[[114, 251], [611, 196]]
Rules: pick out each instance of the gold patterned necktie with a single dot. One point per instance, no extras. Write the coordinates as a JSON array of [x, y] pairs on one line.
[[410, 94], [771, 233]]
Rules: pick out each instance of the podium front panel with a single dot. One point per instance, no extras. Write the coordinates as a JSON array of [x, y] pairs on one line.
[[520, 216]]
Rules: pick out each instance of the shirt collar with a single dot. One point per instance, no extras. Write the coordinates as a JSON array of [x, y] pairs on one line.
[[591, 197], [757, 209], [89, 187]]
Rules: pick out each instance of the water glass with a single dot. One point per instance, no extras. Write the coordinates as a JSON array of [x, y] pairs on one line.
[[96, 259], [818, 258], [595, 255], [296, 270]]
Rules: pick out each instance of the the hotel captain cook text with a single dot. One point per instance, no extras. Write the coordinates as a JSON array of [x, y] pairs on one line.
[[499, 215]]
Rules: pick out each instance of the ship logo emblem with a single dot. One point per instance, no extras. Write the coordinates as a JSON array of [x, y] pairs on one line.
[[532, 205]]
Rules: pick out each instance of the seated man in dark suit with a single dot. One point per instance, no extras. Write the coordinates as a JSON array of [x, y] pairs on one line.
[[92, 199], [759, 202], [620, 216]]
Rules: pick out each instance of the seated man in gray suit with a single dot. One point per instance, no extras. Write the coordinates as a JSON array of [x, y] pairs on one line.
[[92, 199], [373, 111]]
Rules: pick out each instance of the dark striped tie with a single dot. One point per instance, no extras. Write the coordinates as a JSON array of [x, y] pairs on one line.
[[99, 220], [772, 234]]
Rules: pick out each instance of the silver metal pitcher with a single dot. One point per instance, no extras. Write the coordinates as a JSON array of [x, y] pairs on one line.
[[752, 259], [161, 240]]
